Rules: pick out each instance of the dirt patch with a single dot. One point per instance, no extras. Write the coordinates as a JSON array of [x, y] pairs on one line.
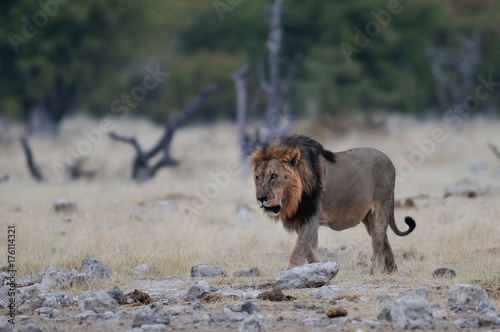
[[212, 298], [275, 295], [336, 312], [350, 298], [136, 297]]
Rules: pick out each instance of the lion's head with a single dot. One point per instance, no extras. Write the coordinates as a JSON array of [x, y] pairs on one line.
[[286, 174]]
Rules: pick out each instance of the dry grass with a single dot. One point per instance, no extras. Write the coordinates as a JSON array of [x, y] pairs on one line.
[[458, 232]]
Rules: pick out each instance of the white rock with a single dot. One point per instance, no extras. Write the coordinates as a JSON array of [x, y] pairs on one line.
[[197, 289], [307, 276], [412, 312], [64, 205], [97, 301], [467, 294], [141, 269], [95, 269], [207, 271], [327, 293]]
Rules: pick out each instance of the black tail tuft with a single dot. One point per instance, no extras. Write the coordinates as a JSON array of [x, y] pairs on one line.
[[411, 224]]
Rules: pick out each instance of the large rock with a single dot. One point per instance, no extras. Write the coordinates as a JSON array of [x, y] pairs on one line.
[[412, 312], [197, 289], [207, 271], [307, 276], [95, 269], [97, 301], [144, 316], [467, 294], [116, 293]]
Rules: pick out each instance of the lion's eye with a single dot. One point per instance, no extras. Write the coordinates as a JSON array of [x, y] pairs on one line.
[[274, 176]]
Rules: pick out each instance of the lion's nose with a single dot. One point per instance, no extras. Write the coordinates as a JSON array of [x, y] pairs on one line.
[[262, 199]]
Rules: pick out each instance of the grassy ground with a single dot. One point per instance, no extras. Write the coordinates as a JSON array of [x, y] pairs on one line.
[[121, 223]]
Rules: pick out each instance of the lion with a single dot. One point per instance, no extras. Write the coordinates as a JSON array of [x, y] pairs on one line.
[[305, 186]]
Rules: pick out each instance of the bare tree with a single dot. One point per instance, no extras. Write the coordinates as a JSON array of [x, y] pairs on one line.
[[453, 69], [32, 166], [277, 88], [141, 169]]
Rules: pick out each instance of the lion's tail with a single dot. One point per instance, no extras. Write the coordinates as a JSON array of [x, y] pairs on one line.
[[408, 220]]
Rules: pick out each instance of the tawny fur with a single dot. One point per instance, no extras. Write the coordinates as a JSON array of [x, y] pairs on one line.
[[314, 187]]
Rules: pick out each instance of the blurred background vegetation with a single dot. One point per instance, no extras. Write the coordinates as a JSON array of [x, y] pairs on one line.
[[60, 57]]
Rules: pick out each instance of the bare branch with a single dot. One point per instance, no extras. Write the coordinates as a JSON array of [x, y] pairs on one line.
[[141, 170], [34, 169]]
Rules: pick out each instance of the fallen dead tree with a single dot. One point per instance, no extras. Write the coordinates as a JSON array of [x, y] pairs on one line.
[[141, 168]]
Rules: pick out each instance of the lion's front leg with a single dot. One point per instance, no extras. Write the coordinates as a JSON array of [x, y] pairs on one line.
[[307, 243]]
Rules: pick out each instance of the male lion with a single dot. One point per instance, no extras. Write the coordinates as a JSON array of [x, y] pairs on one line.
[[306, 186]]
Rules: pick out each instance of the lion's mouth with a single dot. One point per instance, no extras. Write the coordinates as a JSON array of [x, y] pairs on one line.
[[272, 210]]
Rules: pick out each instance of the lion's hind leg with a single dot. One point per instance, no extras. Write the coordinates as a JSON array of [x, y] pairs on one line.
[[376, 222]]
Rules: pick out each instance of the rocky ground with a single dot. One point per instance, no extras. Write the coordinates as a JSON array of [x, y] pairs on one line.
[[305, 298]]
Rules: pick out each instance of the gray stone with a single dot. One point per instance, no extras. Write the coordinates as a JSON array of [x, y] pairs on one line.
[[412, 312], [141, 269], [444, 272], [197, 289], [489, 318], [249, 307], [383, 298], [253, 294], [467, 294], [247, 272], [243, 219], [84, 315], [250, 324], [4, 267], [144, 316], [327, 293], [5, 326], [468, 322], [232, 294], [485, 306], [97, 301], [116, 293], [64, 205], [95, 269], [385, 314], [440, 314], [56, 278], [307, 276], [207, 271], [422, 292], [237, 316], [3, 304], [176, 311], [34, 328], [29, 280], [154, 328]]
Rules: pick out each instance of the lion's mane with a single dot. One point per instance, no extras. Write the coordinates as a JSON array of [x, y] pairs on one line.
[[306, 183]]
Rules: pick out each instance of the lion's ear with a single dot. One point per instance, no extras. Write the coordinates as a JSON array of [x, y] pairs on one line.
[[295, 153]]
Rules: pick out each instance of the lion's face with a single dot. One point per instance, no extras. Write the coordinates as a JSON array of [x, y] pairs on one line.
[[277, 183]]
